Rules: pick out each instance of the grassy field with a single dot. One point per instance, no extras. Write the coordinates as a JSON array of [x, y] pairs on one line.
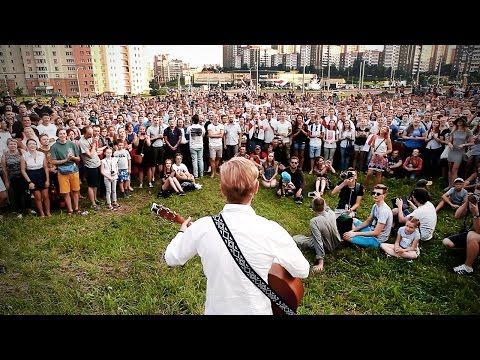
[[112, 262]]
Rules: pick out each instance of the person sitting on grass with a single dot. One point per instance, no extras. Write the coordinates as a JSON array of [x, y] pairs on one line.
[[182, 173], [406, 242], [321, 169], [376, 229], [269, 171], [454, 197], [297, 180], [325, 236]]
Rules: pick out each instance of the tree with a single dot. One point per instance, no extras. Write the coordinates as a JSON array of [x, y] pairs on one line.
[[18, 91]]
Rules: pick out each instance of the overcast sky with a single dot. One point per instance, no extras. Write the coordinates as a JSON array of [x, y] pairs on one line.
[[197, 55]]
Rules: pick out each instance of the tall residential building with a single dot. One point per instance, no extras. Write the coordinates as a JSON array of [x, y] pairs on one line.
[[305, 55], [286, 49], [391, 56], [467, 59], [73, 69], [232, 55]]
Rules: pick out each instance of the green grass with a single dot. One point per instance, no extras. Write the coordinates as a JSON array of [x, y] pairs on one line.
[[112, 262]]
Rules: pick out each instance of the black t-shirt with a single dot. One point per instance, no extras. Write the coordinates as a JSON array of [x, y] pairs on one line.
[[349, 195], [43, 110]]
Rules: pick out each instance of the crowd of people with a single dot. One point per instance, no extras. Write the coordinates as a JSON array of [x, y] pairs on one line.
[[48, 150]]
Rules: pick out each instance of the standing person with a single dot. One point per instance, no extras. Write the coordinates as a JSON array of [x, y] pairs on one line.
[[232, 139], [325, 236], [196, 133], [229, 291], [376, 229], [34, 168], [91, 161], [124, 168], [109, 170], [215, 138], [65, 155]]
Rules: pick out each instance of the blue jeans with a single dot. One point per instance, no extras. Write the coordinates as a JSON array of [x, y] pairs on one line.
[[197, 161], [344, 159], [365, 241]]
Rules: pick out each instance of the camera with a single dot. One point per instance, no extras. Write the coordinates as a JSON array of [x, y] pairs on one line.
[[347, 174], [474, 198]]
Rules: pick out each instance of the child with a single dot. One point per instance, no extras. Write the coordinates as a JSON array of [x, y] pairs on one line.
[[454, 197], [124, 168], [288, 188], [109, 170], [406, 243]]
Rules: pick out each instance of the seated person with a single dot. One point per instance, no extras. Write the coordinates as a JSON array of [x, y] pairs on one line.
[[297, 179], [376, 229], [394, 165], [424, 211], [269, 171], [242, 152], [325, 237], [350, 194], [182, 173], [258, 156], [472, 240], [413, 164], [454, 197], [406, 242], [459, 239], [473, 181], [287, 187], [321, 170]]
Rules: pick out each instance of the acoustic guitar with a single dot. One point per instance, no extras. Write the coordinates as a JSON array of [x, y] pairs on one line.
[[290, 289]]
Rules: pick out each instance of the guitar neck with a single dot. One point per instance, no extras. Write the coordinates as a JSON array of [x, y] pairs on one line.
[[167, 214]]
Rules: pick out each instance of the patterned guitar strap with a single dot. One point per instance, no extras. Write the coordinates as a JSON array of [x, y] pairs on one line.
[[242, 263]]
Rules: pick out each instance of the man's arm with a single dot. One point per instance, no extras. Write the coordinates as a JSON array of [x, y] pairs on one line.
[[182, 247]]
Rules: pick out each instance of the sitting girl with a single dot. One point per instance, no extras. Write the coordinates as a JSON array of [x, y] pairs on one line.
[[321, 169], [406, 243], [269, 171]]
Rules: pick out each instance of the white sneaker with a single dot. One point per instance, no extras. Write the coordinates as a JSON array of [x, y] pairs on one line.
[[463, 270], [198, 186], [19, 216], [153, 178], [209, 169], [140, 186], [150, 185]]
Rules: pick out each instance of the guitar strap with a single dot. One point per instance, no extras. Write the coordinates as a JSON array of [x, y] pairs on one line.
[[243, 264]]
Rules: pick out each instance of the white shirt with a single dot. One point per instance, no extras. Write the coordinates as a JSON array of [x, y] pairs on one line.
[[261, 241], [33, 162], [50, 130], [428, 220]]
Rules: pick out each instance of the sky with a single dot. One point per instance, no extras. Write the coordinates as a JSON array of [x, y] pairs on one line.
[[198, 55]]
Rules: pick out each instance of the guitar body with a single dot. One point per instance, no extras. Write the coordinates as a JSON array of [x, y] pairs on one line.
[[289, 288]]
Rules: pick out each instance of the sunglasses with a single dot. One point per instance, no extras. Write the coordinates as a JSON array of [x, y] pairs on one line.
[[293, 162], [376, 193]]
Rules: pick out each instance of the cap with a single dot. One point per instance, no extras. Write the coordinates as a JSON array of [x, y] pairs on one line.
[[211, 113], [423, 183], [258, 147], [459, 179]]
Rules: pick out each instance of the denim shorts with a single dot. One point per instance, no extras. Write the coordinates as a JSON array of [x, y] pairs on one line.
[[299, 146]]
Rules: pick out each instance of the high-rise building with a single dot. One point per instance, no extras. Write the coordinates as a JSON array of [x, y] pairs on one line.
[[73, 69], [391, 56]]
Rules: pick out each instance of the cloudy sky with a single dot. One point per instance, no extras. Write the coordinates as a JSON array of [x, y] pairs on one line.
[[197, 55]]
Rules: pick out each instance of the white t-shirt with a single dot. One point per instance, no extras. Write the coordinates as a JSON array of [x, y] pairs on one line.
[[428, 220], [182, 168], [123, 156], [215, 142], [197, 132]]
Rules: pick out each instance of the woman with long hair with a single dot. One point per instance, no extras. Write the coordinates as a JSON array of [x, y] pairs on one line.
[[460, 138], [380, 147], [269, 171], [433, 149]]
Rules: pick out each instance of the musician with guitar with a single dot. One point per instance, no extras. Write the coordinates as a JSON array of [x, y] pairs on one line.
[[236, 245]]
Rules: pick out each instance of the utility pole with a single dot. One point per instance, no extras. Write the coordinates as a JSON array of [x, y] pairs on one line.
[[419, 62], [328, 74], [258, 64], [303, 81], [439, 69]]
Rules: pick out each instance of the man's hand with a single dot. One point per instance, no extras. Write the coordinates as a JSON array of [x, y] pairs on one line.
[[186, 223]]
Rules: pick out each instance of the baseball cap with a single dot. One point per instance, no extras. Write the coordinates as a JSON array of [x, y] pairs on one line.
[[459, 179], [258, 147], [423, 183]]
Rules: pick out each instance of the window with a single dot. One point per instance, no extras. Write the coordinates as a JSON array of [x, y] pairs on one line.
[[55, 61], [31, 75], [56, 68], [58, 83], [82, 60], [57, 76], [2, 61], [28, 61], [27, 53], [71, 68], [69, 53], [1, 53], [85, 82], [70, 61], [4, 69], [82, 52], [10, 53], [68, 46], [30, 68]]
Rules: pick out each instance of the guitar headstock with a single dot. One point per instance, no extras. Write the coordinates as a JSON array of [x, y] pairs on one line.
[[166, 213]]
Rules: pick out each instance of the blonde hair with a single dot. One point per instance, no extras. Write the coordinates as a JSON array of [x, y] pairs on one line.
[[238, 179], [413, 220]]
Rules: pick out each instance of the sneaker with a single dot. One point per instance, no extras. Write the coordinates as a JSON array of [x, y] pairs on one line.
[[116, 205], [150, 185], [298, 201], [198, 186], [124, 195], [97, 202], [463, 270], [209, 169], [140, 186], [153, 178], [19, 216], [95, 207], [181, 193]]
